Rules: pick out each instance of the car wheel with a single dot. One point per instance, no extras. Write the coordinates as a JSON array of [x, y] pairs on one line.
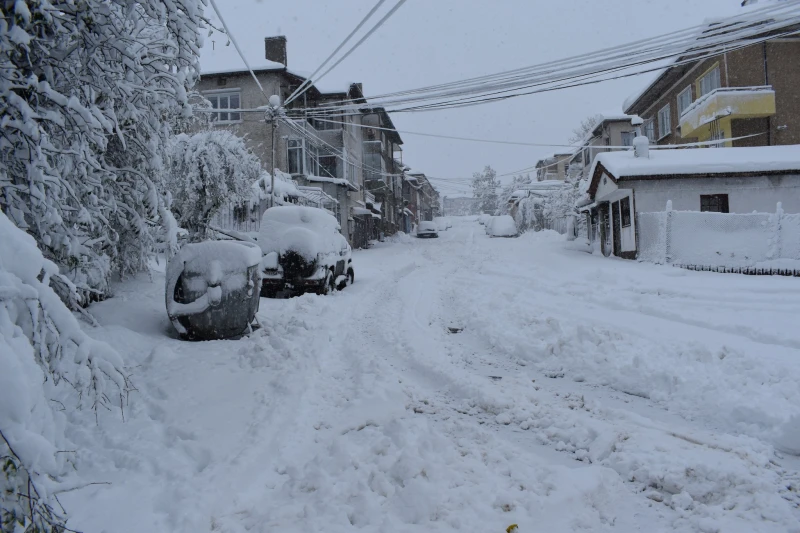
[[329, 285]]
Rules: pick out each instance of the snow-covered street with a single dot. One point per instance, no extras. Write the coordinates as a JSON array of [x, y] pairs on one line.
[[461, 384]]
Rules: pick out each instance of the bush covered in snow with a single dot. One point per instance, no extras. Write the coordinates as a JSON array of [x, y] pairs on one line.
[[209, 169], [47, 364], [88, 91]]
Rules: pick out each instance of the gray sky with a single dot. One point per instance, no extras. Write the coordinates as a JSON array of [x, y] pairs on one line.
[[435, 41]]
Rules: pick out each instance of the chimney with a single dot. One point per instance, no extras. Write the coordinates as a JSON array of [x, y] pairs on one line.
[[275, 49]]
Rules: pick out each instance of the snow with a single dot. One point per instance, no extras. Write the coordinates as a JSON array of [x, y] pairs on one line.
[[579, 393], [263, 65], [701, 161], [305, 230], [503, 226], [325, 179]]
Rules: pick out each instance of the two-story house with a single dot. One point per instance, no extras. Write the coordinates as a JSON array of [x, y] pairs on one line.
[[322, 151], [747, 96], [612, 132]]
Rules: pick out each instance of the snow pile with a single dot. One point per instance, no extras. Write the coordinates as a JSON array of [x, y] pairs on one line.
[[285, 187], [47, 364], [399, 238], [305, 230]]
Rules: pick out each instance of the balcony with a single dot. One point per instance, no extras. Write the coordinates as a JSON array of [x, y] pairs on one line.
[[726, 103]]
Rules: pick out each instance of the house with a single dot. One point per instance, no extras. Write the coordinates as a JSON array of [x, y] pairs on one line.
[[612, 132], [319, 150], [553, 167], [459, 205], [741, 180], [383, 172], [748, 96]]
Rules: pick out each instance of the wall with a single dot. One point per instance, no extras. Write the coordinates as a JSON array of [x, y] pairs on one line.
[[744, 194]]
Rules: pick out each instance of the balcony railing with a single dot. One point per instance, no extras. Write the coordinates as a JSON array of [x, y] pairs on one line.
[[728, 102]]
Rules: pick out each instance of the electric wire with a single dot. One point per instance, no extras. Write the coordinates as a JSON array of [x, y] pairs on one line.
[[308, 82]]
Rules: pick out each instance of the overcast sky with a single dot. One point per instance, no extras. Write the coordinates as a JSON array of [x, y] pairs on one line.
[[434, 41]]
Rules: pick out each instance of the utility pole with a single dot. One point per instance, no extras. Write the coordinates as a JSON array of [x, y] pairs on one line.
[[272, 113]]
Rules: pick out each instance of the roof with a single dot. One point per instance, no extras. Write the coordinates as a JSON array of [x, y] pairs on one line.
[[266, 66], [697, 162]]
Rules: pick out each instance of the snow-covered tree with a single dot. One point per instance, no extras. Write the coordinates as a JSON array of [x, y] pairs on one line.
[[208, 170], [87, 92], [47, 365], [516, 183], [586, 126], [484, 188]]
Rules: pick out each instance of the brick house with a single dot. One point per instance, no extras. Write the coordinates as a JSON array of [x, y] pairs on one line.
[[752, 91]]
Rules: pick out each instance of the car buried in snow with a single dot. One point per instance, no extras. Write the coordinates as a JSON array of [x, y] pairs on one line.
[[427, 229], [502, 226], [303, 251]]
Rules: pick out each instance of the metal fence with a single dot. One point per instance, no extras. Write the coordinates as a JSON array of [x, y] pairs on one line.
[[719, 240]]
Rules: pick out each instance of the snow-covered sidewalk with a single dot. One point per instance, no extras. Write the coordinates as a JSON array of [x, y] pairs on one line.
[[461, 384]]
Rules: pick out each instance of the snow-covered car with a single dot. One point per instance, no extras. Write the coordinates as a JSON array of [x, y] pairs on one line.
[[502, 226], [442, 224], [483, 219], [427, 229], [487, 226], [303, 251]]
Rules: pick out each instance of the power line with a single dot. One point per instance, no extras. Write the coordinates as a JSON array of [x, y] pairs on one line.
[[369, 33], [307, 83], [719, 38]]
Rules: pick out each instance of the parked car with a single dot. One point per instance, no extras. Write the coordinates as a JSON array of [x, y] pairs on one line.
[[303, 251], [427, 229], [503, 226], [483, 219], [487, 226]]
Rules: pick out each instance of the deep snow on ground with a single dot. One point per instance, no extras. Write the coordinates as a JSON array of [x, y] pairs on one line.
[[461, 384]]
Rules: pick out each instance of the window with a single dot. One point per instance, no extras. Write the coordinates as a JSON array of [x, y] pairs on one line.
[[295, 159], [710, 81], [714, 203], [664, 122], [625, 211], [327, 165], [225, 101], [372, 160], [650, 130], [627, 138], [684, 100], [325, 123]]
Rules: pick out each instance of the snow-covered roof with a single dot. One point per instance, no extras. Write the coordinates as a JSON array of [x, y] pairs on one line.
[[266, 65], [701, 161]]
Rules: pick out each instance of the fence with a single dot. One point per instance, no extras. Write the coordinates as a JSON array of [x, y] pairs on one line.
[[241, 218], [748, 243]]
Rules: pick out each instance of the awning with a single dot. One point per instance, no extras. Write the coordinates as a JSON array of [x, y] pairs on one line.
[[376, 215], [359, 211], [408, 212]]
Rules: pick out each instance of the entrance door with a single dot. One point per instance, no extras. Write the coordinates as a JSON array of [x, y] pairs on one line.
[[616, 223], [605, 229]]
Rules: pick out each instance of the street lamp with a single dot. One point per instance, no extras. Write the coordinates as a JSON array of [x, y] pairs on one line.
[[272, 115]]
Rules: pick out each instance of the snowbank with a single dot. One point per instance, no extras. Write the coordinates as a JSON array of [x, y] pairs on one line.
[[47, 366]]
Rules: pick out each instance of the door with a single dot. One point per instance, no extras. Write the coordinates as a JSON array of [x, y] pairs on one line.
[[605, 229], [616, 226]]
